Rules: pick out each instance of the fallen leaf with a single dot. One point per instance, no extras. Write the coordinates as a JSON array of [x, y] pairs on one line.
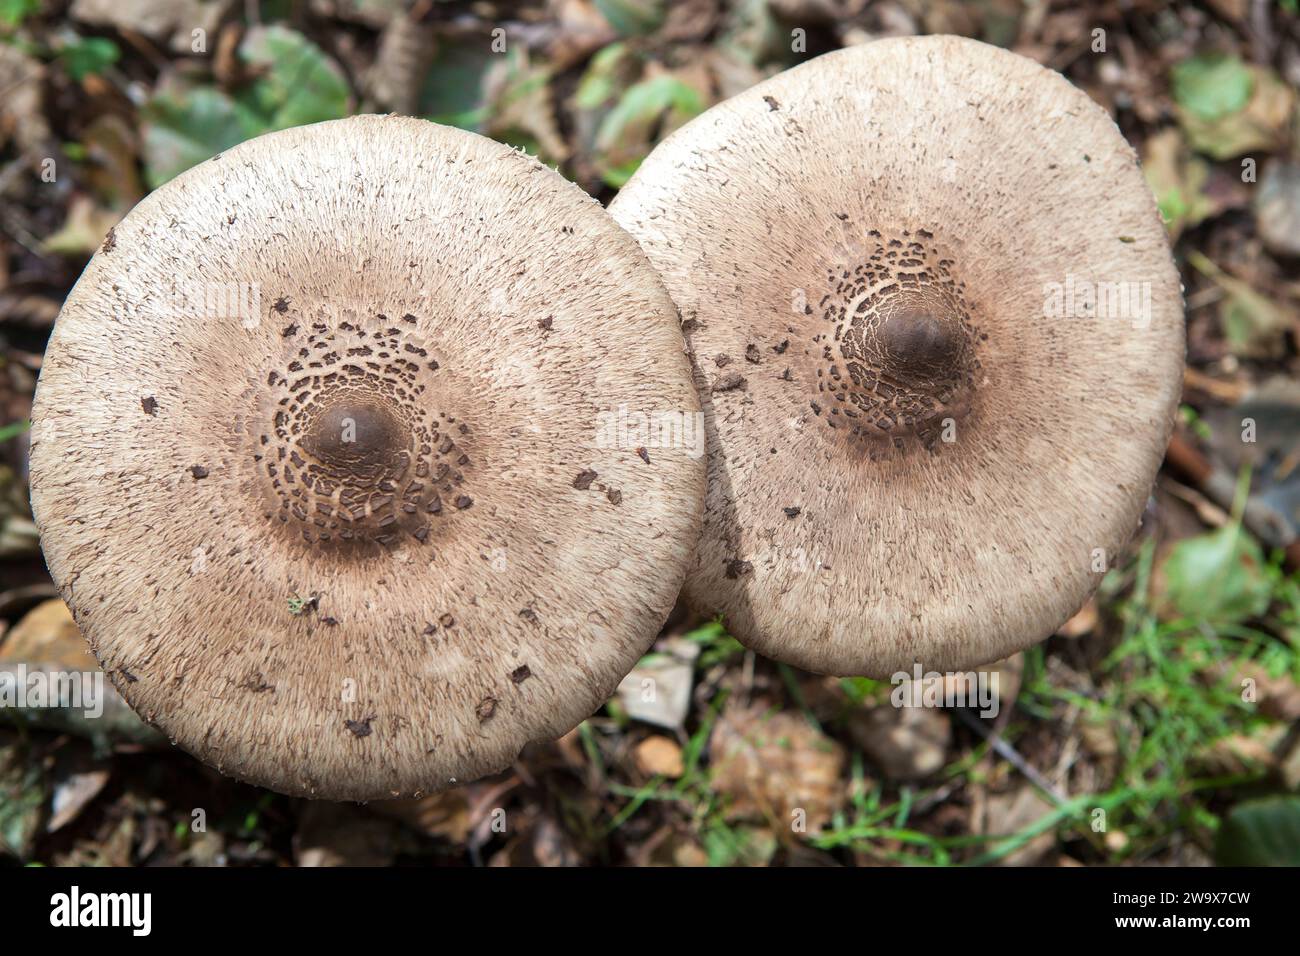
[[1240, 753], [1260, 833], [18, 533], [445, 814], [1217, 578], [1228, 108], [84, 229], [453, 89], [1082, 623], [88, 56], [295, 84], [1277, 207], [22, 108], [658, 690], [632, 17], [340, 834], [1178, 179], [48, 634], [47, 641], [183, 126], [112, 152], [406, 48], [518, 100], [750, 34], [581, 30], [777, 767], [1253, 325], [904, 743], [73, 792], [1211, 85], [646, 113], [1008, 813], [168, 21], [22, 799], [660, 756], [298, 84]]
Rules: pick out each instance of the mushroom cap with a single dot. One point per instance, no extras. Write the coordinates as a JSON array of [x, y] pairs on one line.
[[922, 447], [305, 454]]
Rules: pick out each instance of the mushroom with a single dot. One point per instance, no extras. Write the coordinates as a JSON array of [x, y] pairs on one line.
[[955, 342], [304, 453]]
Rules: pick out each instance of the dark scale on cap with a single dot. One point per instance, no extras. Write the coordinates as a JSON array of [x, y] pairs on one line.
[[350, 452], [896, 351]]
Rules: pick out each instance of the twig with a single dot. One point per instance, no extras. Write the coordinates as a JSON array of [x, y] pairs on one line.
[[1012, 756]]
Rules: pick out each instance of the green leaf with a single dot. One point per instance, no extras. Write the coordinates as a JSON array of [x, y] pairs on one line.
[[14, 12], [1178, 180], [22, 797], [1254, 325], [625, 135], [632, 17], [1261, 833], [1261, 124], [300, 84], [452, 92], [648, 99], [521, 109], [86, 56], [182, 128], [751, 34], [599, 82], [1212, 85], [1217, 577], [14, 429]]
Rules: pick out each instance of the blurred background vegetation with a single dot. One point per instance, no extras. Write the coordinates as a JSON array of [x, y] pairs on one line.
[[1160, 725]]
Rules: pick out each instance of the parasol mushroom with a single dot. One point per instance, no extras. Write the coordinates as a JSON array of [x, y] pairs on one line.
[[304, 450], [938, 337]]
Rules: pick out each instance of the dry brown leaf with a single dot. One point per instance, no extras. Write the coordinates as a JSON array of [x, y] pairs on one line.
[[905, 743], [581, 30], [406, 48], [48, 635], [114, 169], [1083, 622], [72, 794], [22, 116], [84, 230], [339, 834], [445, 814], [659, 756], [770, 766], [1277, 207], [1010, 812], [167, 21]]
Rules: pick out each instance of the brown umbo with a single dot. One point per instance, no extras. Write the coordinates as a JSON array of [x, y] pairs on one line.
[[385, 581], [969, 342]]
